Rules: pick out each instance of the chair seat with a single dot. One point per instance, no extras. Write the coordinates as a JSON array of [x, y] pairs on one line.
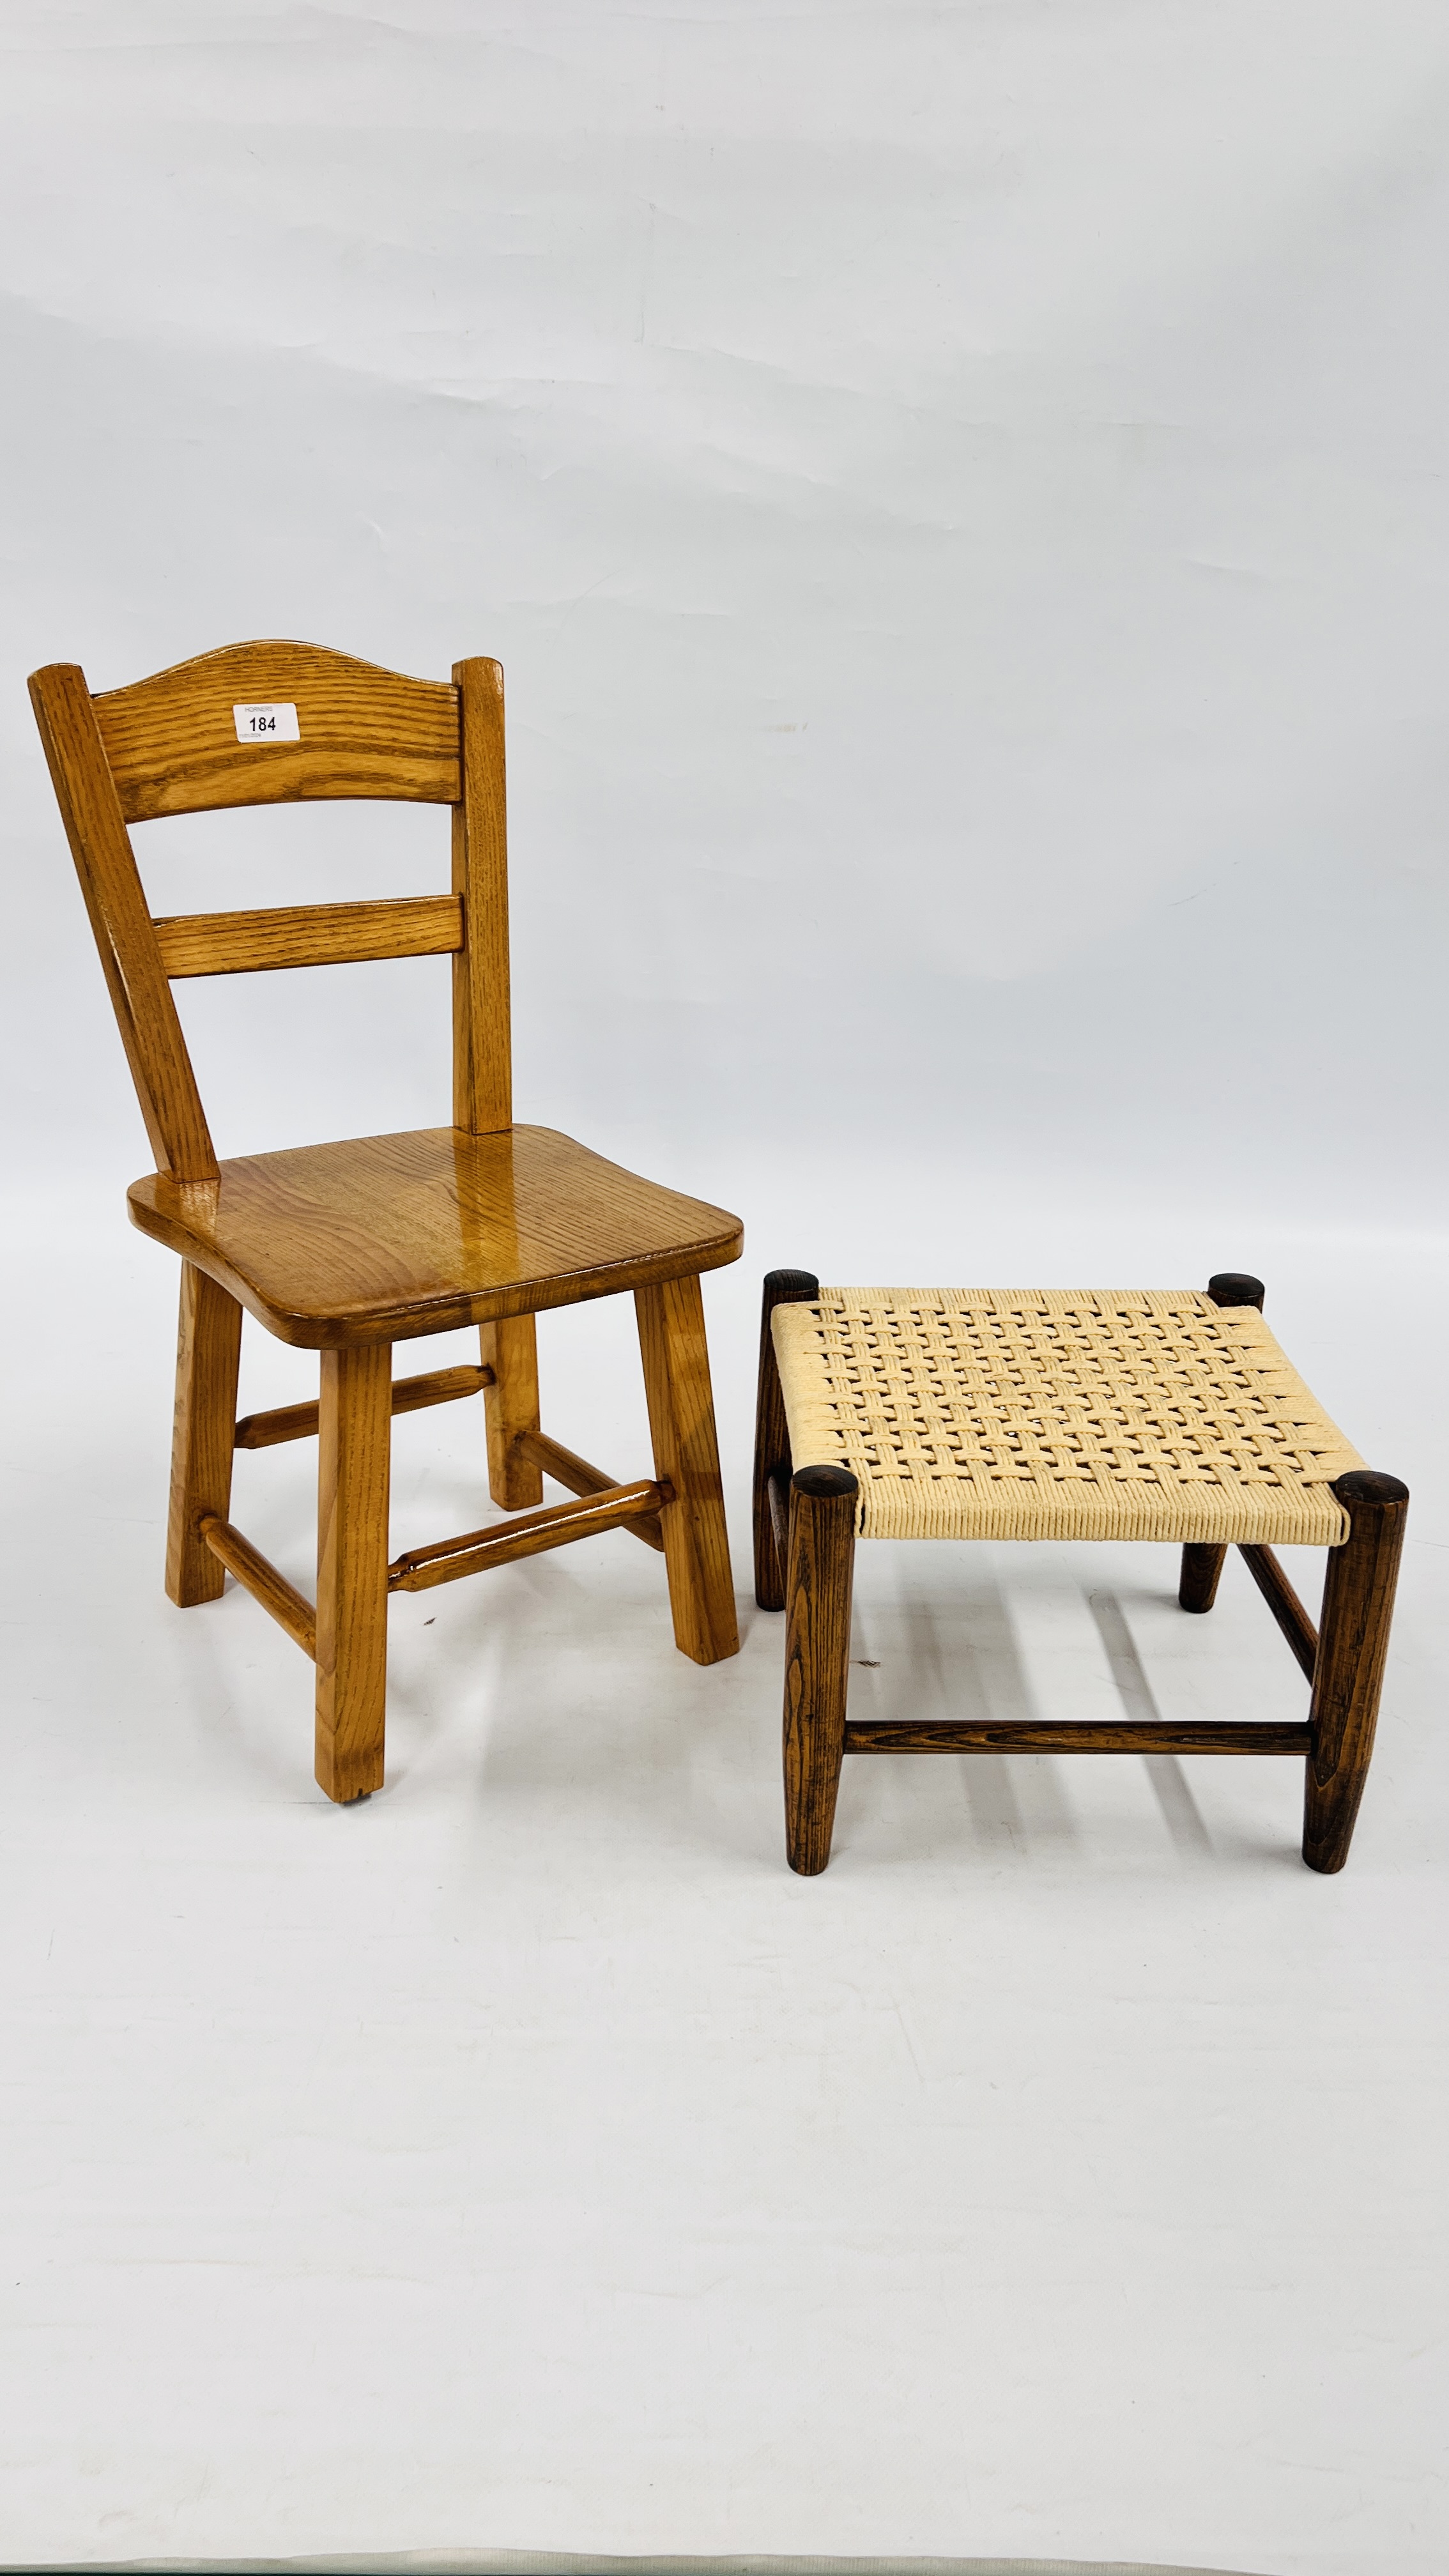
[[1060, 1414], [386, 1237]]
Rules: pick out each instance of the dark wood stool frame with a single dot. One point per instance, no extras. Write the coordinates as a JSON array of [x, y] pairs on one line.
[[804, 1526]]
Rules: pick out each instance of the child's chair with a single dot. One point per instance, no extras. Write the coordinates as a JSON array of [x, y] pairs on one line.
[[348, 1248]]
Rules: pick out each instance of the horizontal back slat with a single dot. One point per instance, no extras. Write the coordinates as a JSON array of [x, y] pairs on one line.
[[309, 934], [173, 747]]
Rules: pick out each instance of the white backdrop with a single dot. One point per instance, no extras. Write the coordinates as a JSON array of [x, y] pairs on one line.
[[959, 492]]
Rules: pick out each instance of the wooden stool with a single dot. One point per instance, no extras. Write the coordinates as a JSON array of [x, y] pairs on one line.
[[1061, 1414], [347, 1248]]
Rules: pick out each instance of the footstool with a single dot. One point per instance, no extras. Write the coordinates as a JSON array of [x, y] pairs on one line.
[[1166, 1414]]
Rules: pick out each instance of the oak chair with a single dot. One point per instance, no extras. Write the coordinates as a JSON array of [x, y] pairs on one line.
[[348, 1248], [1061, 1414]]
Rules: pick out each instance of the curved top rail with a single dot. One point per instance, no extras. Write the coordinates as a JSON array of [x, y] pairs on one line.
[[273, 723]]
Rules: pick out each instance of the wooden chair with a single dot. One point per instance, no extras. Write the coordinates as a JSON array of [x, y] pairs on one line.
[[1061, 1414], [348, 1248]]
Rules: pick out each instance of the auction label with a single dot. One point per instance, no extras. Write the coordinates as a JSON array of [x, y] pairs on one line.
[[275, 722]]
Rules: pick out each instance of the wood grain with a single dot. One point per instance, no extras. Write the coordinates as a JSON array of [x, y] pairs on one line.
[[352, 1569], [823, 1503], [1021, 1735], [130, 957], [557, 1525], [1284, 1603], [686, 1459], [266, 1584], [409, 1395], [777, 1495], [510, 1350], [346, 1248], [308, 934], [772, 1432], [172, 747], [208, 1351], [482, 1042], [384, 1237], [580, 1478], [1358, 1609]]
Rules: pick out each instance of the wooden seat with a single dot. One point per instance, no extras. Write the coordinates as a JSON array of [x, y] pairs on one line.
[[385, 1237], [346, 1248], [1061, 1414]]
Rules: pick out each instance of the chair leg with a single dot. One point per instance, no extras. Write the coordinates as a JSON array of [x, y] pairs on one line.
[[510, 1349], [817, 1657], [772, 1433], [686, 1456], [1201, 1568], [1353, 1638], [352, 1497], [208, 1351]]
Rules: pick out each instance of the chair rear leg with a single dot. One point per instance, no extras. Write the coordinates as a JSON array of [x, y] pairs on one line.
[[352, 1496], [208, 1352], [686, 1456], [772, 1433], [510, 1349], [1201, 1568], [817, 1657], [1353, 1638]]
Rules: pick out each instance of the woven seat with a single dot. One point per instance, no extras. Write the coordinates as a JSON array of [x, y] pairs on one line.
[[1060, 1414]]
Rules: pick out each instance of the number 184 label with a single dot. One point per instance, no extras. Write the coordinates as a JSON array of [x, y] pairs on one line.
[[274, 722]]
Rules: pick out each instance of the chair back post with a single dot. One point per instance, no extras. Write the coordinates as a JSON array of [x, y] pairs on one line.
[[177, 743], [100, 844], [482, 1044]]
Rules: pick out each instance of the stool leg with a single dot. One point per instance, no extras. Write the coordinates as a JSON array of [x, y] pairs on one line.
[[352, 1494], [686, 1455], [772, 1433], [1201, 1567], [208, 1350], [510, 1349], [817, 1657], [1353, 1638]]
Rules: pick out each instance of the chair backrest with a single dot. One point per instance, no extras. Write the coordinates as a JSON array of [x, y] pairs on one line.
[[272, 724]]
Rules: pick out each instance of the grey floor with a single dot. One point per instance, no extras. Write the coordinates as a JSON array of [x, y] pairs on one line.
[[526, 2160]]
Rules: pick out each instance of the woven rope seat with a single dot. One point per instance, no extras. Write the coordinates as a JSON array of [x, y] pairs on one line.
[[1027, 1413]]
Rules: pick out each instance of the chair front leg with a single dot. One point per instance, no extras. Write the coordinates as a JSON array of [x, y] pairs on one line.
[[686, 1457], [208, 1352], [1353, 1639], [355, 1434], [510, 1349], [817, 1657]]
